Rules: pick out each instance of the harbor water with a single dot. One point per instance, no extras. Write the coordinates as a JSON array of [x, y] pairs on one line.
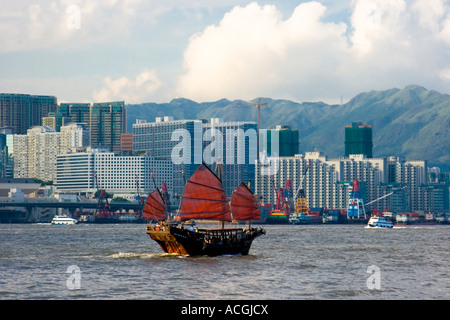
[[290, 262]]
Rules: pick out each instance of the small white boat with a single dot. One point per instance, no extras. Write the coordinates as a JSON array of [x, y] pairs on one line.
[[63, 220], [380, 222]]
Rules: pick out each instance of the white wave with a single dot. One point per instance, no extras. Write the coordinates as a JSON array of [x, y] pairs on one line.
[[132, 255]]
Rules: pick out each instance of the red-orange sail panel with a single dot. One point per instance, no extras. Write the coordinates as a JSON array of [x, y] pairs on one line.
[[244, 205], [154, 208], [204, 197]]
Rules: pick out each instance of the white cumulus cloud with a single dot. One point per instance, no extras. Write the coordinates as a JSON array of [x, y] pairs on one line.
[[255, 51], [134, 90]]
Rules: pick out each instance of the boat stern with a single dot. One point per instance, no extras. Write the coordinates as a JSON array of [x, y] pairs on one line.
[[168, 243]]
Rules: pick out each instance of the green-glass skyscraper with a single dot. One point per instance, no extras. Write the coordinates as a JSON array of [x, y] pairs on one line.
[[23, 111], [108, 122], [281, 141], [79, 112], [358, 139]]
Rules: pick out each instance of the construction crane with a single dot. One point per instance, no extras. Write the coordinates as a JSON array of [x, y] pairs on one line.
[[258, 105]]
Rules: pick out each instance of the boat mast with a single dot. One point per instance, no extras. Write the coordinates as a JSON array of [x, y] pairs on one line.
[[249, 187], [219, 175]]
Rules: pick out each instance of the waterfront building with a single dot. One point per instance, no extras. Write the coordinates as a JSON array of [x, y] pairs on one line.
[[358, 139], [23, 111], [370, 171], [86, 171], [388, 183], [108, 121], [318, 182]]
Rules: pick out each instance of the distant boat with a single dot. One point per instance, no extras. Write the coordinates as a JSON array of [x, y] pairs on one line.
[[379, 222], [63, 220], [204, 199]]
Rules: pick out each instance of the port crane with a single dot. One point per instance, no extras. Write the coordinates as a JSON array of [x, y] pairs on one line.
[[139, 198], [301, 204], [386, 195], [103, 207], [281, 201]]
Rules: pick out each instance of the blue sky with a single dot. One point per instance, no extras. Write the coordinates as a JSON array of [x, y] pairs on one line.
[[205, 50]]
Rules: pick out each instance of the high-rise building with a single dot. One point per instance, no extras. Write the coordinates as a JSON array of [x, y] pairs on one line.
[[179, 141], [74, 135], [318, 182], [281, 141], [234, 145], [55, 120], [19, 144], [126, 144], [78, 112], [108, 122], [358, 139], [23, 111], [387, 183], [43, 147]]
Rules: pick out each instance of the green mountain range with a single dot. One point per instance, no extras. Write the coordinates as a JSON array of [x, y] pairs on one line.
[[413, 122]]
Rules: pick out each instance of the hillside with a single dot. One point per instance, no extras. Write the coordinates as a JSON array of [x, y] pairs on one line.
[[413, 122]]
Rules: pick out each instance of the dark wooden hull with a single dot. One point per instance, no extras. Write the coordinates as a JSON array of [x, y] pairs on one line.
[[214, 242], [210, 242]]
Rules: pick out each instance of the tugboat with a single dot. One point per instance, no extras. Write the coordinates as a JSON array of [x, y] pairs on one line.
[[204, 198]]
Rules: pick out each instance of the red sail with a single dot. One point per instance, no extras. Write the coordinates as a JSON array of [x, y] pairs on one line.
[[204, 197], [244, 205], [154, 208]]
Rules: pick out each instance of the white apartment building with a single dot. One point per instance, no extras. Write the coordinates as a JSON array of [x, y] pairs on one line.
[[74, 135], [85, 172], [328, 182], [35, 153], [19, 143], [318, 182]]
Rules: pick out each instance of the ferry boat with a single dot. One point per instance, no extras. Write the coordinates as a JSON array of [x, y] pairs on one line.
[[204, 199], [379, 222], [63, 220]]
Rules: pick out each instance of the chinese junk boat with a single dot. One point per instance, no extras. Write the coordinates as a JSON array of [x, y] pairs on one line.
[[204, 198]]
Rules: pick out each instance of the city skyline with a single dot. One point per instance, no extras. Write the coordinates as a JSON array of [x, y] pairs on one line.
[[141, 51]]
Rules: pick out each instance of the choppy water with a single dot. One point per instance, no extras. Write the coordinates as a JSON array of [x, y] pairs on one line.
[[289, 262]]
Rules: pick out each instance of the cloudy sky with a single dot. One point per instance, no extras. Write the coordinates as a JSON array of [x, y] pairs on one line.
[[206, 50]]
